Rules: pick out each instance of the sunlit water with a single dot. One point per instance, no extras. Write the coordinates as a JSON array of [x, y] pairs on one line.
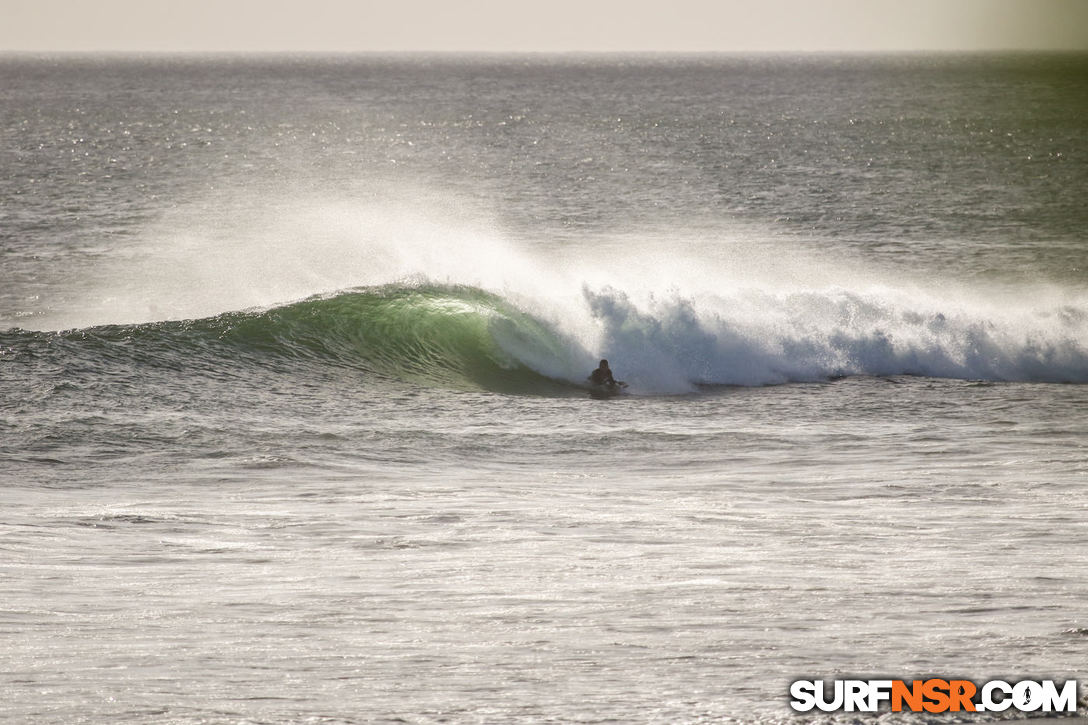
[[294, 425]]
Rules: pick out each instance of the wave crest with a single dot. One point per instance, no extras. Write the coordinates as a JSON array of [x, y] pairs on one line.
[[464, 337]]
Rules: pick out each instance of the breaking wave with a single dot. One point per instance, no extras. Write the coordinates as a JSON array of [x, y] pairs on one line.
[[465, 337]]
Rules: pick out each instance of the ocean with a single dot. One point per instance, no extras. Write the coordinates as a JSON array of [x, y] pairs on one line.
[[294, 420]]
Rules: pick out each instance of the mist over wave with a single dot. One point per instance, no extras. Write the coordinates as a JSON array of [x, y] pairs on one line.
[[442, 295]]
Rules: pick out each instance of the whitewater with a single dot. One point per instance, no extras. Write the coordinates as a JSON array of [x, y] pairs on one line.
[[294, 415]]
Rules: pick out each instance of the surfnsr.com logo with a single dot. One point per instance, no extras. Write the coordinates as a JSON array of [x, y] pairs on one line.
[[933, 695]]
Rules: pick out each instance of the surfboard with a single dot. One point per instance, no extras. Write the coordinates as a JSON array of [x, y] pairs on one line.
[[607, 390]]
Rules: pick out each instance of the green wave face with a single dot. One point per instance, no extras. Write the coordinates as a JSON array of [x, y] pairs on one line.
[[445, 336], [451, 336]]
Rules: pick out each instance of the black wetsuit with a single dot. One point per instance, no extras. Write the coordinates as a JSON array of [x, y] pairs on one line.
[[602, 376]]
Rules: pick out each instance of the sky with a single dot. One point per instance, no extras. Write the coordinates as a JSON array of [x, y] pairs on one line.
[[541, 25]]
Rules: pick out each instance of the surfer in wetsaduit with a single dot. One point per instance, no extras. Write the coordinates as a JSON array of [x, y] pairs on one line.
[[602, 375]]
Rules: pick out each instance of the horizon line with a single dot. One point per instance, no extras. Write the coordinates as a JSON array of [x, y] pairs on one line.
[[523, 53]]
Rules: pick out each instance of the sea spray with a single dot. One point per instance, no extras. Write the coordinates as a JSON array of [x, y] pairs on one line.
[[437, 292]]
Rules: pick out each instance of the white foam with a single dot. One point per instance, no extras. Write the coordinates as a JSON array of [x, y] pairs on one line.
[[754, 337]]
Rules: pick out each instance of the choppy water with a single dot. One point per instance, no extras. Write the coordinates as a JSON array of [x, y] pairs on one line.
[[293, 425]]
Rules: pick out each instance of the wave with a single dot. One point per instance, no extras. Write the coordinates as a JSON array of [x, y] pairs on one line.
[[442, 298], [448, 336], [465, 337]]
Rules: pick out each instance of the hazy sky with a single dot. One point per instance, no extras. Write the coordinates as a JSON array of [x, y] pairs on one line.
[[541, 25]]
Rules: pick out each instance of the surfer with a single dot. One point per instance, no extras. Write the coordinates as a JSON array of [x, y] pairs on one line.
[[602, 375], [602, 384]]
